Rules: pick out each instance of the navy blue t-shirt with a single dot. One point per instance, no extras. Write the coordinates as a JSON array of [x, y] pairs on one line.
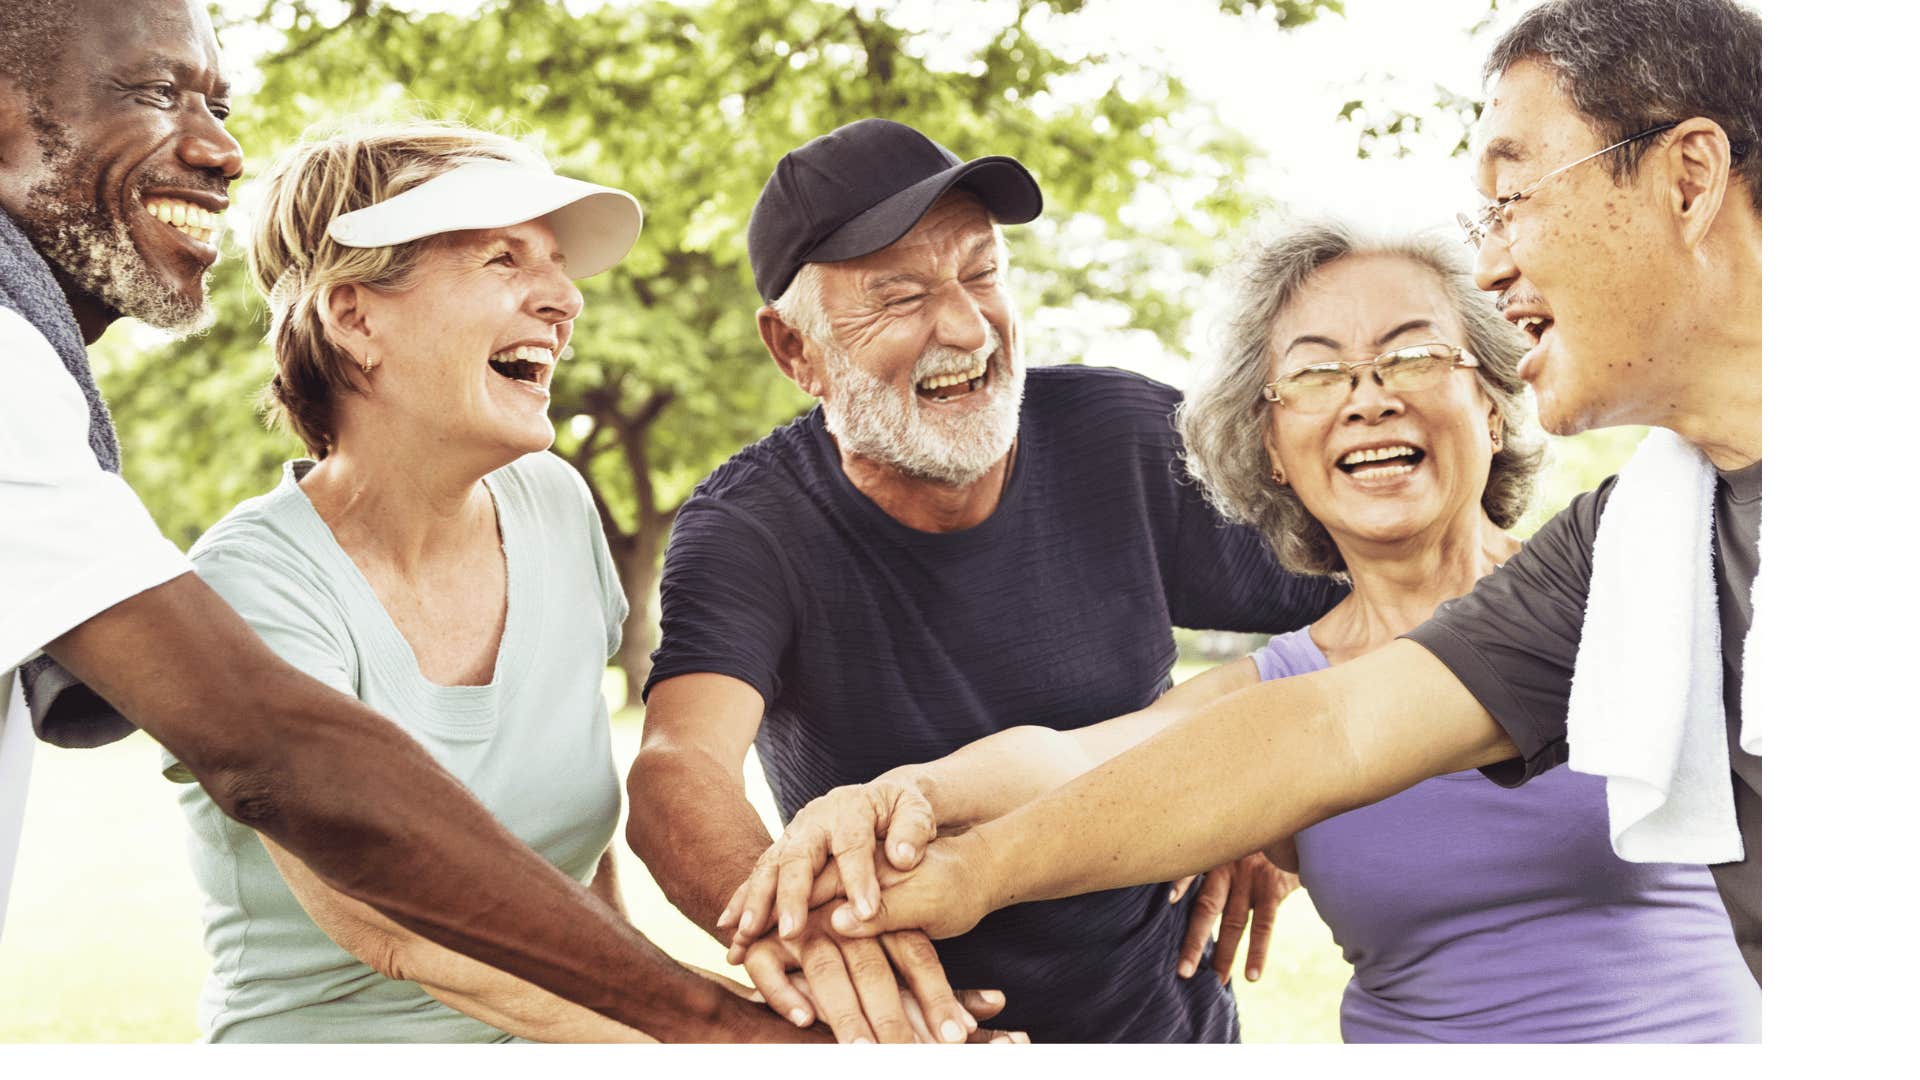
[[876, 645]]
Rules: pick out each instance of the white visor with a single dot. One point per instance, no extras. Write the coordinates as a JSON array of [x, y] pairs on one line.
[[595, 225]]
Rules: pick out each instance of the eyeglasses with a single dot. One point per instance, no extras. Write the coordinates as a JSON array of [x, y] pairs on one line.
[[1493, 219], [1319, 388]]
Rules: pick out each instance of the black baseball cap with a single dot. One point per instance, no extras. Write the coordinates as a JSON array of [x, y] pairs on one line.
[[860, 187]]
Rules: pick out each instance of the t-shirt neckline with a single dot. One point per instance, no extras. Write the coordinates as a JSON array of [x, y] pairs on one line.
[[398, 657], [850, 495]]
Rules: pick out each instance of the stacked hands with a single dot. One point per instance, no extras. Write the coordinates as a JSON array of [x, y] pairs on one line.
[[867, 874]]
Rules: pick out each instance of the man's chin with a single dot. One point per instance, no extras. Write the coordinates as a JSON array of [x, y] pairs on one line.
[[146, 298], [183, 322]]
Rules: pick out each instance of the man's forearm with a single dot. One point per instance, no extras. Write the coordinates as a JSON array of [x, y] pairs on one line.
[[692, 825], [1241, 773], [373, 815]]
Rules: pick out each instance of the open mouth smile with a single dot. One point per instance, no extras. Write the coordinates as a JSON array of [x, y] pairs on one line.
[[195, 222], [953, 384], [1381, 462], [1536, 328], [529, 367]]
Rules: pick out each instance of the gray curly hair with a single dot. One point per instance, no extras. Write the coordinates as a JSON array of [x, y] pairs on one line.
[[1223, 417]]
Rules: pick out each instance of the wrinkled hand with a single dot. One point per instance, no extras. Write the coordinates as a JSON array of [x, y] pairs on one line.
[[1250, 884], [850, 983], [983, 1004], [946, 895], [837, 832]]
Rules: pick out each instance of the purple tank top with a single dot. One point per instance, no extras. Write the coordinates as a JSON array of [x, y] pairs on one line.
[[1476, 913]]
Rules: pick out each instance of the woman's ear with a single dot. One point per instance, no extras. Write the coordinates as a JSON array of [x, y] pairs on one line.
[[1276, 472], [1496, 427], [343, 312]]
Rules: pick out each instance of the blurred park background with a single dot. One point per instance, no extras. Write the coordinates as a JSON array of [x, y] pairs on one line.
[[1159, 131]]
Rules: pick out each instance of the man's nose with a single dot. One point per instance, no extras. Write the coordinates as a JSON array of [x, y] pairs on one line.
[[206, 146], [959, 322], [1493, 268]]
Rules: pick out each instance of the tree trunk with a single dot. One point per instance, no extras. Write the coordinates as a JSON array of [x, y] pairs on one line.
[[639, 563]]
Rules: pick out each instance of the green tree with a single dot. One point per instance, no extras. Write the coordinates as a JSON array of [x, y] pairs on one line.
[[688, 105]]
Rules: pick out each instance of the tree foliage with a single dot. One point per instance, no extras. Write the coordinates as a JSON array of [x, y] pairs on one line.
[[689, 105]]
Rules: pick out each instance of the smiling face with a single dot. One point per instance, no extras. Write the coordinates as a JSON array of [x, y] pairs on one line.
[[1381, 467], [1587, 268], [464, 355], [118, 172], [923, 373]]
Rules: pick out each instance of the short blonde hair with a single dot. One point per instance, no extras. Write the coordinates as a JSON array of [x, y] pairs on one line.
[[295, 264]]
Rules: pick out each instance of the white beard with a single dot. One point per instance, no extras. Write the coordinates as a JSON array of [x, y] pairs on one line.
[[873, 419]]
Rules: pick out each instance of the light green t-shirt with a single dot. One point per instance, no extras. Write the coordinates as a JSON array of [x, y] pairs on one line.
[[532, 745]]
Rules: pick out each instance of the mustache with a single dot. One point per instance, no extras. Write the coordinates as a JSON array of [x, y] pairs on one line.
[[1509, 298], [208, 183], [941, 360]]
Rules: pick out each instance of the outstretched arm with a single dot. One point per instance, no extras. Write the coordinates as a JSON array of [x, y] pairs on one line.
[[1235, 776], [485, 993], [394, 831], [693, 827], [901, 810]]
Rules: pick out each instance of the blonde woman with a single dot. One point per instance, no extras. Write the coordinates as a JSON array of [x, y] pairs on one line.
[[430, 558]]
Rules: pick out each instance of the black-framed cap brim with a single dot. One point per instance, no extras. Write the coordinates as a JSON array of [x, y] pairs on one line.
[[1007, 189]]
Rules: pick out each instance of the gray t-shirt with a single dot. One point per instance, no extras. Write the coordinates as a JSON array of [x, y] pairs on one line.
[[1511, 642], [532, 745]]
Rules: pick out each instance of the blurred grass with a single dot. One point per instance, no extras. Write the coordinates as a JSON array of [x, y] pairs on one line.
[[102, 941]]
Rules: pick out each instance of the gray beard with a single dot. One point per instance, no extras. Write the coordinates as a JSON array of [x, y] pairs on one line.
[[96, 251], [874, 420]]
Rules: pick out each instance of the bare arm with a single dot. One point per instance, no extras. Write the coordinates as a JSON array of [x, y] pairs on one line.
[[1234, 777], [989, 777], [606, 885], [394, 831], [485, 993], [692, 825], [690, 820], [902, 809]]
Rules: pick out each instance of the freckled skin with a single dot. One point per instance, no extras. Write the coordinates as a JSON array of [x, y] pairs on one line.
[[1664, 266], [1356, 301], [104, 135]]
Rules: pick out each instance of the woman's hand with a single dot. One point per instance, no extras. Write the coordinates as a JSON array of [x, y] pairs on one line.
[[1248, 886], [946, 895], [841, 828]]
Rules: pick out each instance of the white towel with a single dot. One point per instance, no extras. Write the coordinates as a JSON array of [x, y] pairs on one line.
[[1646, 710]]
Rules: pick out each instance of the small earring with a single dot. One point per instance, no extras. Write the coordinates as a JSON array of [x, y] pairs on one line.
[[367, 365], [1279, 478], [1494, 434]]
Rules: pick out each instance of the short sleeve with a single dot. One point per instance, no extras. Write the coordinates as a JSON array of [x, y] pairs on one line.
[[74, 539], [726, 599], [296, 620], [613, 596], [1512, 640], [1225, 577]]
